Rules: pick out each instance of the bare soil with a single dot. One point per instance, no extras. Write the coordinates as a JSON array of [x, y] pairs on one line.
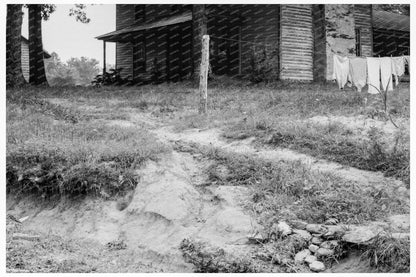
[[172, 202]]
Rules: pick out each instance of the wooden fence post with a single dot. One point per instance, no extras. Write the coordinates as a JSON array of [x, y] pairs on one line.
[[203, 75]]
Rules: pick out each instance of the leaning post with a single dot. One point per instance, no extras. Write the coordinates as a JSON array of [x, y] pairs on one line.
[[104, 61], [203, 75]]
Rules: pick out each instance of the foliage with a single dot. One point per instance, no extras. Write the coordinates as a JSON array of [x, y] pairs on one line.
[[76, 71], [109, 78], [85, 69], [79, 12]]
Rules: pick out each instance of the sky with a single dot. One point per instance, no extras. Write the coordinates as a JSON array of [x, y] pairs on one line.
[[68, 38]]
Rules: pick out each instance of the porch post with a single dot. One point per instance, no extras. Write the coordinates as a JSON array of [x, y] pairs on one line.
[[104, 69]]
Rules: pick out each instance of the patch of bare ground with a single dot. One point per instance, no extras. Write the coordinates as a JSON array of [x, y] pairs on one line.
[[175, 202], [168, 205]]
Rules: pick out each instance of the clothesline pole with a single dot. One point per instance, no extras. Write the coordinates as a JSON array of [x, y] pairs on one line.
[[203, 76]]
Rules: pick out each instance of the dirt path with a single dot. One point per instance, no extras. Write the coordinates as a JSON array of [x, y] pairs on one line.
[[212, 137]]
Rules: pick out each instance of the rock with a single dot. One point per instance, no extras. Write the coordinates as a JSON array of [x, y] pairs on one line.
[[361, 234], [331, 221], [323, 252], [297, 224], [317, 266], [256, 239], [233, 219], [313, 248], [25, 236], [329, 244], [310, 259], [400, 235], [300, 256], [317, 240], [334, 231], [304, 234], [23, 218], [316, 228], [399, 222], [276, 259], [283, 229]]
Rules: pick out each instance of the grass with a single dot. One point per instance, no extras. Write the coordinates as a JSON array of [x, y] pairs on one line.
[[50, 155], [290, 190], [388, 254], [208, 259], [56, 254], [335, 142], [59, 142]]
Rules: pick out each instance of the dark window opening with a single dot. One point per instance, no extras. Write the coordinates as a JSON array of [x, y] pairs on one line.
[[358, 42]]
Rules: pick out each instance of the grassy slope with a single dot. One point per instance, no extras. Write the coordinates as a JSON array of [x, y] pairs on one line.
[[53, 150]]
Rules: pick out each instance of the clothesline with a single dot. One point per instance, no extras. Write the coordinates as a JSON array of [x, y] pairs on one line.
[[374, 71]]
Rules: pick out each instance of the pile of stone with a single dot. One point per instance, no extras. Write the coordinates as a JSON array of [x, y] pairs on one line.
[[323, 239]]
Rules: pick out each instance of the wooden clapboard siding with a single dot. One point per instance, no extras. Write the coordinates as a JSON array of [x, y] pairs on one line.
[[124, 51], [296, 42], [363, 21]]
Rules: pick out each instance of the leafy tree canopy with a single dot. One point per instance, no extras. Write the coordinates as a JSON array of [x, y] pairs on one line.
[[76, 71], [78, 11]]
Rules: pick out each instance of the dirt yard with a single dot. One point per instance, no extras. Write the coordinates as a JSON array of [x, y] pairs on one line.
[[284, 178]]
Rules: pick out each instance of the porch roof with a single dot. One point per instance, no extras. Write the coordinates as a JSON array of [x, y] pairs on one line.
[[124, 35], [391, 21]]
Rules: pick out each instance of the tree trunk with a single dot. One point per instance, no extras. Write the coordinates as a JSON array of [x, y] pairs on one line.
[[14, 74], [37, 74], [199, 22]]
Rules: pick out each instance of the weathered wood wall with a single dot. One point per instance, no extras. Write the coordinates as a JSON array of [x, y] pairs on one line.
[[299, 39], [364, 21], [296, 47], [260, 24], [124, 51]]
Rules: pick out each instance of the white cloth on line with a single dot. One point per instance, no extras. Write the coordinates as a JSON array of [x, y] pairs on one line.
[[386, 73], [358, 72], [373, 75], [341, 70], [407, 60], [398, 68]]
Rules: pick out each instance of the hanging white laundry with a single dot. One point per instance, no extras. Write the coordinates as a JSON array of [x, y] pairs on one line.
[[358, 72], [407, 60], [373, 75], [386, 73], [398, 68], [341, 70]]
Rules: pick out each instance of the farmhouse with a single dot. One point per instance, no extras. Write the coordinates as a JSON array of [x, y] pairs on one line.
[[25, 57], [294, 42]]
